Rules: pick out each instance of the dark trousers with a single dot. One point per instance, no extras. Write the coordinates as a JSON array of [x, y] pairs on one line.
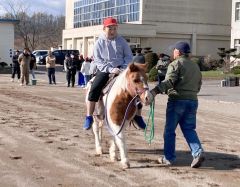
[[160, 78], [98, 84], [16, 70], [71, 76], [51, 75]]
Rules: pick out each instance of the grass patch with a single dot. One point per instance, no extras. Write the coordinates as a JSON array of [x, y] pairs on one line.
[[217, 74]]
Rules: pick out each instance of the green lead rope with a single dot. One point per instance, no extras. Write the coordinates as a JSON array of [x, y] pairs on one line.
[[150, 137]]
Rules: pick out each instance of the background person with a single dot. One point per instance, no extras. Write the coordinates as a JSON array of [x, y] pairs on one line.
[[50, 65], [24, 61], [67, 58], [182, 83], [71, 66], [93, 69], [33, 66], [139, 57], [15, 66], [81, 81], [162, 65], [85, 70]]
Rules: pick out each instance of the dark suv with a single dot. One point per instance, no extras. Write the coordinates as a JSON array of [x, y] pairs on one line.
[[60, 55]]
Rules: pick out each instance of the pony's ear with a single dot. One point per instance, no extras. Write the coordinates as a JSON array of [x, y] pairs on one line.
[[143, 67], [133, 68]]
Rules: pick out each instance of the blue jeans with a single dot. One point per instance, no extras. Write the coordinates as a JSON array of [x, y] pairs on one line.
[[51, 75], [33, 74], [182, 112]]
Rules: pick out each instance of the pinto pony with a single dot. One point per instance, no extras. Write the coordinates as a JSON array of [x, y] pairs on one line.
[[118, 107]]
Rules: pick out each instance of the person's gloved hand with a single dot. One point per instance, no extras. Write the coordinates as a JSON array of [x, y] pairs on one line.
[[153, 93], [115, 71]]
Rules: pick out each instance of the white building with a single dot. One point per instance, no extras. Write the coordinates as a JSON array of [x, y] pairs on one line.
[[235, 32], [205, 24], [7, 39]]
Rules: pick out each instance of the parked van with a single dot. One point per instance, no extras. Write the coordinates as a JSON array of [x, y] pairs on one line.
[[60, 55]]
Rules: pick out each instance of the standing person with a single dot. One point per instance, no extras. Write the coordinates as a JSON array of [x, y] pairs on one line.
[[182, 83], [139, 57], [81, 82], [67, 58], [71, 66], [15, 66], [24, 61], [50, 65], [93, 69], [111, 54], [162, 64], [33, 66], [85, 70]]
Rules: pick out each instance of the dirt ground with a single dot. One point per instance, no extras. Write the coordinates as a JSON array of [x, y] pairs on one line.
[[42, 143]]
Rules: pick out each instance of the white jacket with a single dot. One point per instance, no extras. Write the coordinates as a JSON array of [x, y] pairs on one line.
[[85, 69]]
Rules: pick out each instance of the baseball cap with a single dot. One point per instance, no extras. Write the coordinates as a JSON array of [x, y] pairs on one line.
[[109, 21], [140, 59], [183, 47]]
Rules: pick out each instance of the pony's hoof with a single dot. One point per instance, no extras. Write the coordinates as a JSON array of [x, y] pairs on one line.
[[126, 165]]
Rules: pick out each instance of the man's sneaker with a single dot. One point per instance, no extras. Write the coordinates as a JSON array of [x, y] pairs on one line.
[[88, 122], [197, 161], [164, 161], [12, 80], [140, 122]]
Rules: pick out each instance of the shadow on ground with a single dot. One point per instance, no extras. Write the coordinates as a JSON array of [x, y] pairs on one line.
[[213, 160]]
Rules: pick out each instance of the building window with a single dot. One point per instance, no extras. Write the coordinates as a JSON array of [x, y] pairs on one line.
[[92, 12], [237, 12]]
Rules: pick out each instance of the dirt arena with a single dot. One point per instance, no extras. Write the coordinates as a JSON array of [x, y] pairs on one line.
[[42, 143]]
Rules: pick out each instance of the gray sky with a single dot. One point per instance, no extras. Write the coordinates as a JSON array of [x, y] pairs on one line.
[[55, 7]]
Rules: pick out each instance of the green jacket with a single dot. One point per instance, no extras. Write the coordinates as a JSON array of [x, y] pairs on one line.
[[183, 80]]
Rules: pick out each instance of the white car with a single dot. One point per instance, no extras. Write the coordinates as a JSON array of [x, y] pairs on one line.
[[39, 54]]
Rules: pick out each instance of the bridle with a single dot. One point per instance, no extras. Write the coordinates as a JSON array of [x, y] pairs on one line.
[[138, 91]]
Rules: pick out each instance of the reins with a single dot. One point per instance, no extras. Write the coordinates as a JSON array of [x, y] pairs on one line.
[[150, 137], [151, 115], [124, 119], [126, 112]]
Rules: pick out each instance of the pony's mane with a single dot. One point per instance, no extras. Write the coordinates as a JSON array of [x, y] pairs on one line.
[[121, 82]]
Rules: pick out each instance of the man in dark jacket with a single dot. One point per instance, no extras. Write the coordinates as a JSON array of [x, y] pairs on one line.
[[182, 83], [162, 64], [15, 66], [139, 57], [71, 66]]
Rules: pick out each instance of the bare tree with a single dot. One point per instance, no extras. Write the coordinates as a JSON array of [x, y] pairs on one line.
[[35, 30], [17, 10]]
